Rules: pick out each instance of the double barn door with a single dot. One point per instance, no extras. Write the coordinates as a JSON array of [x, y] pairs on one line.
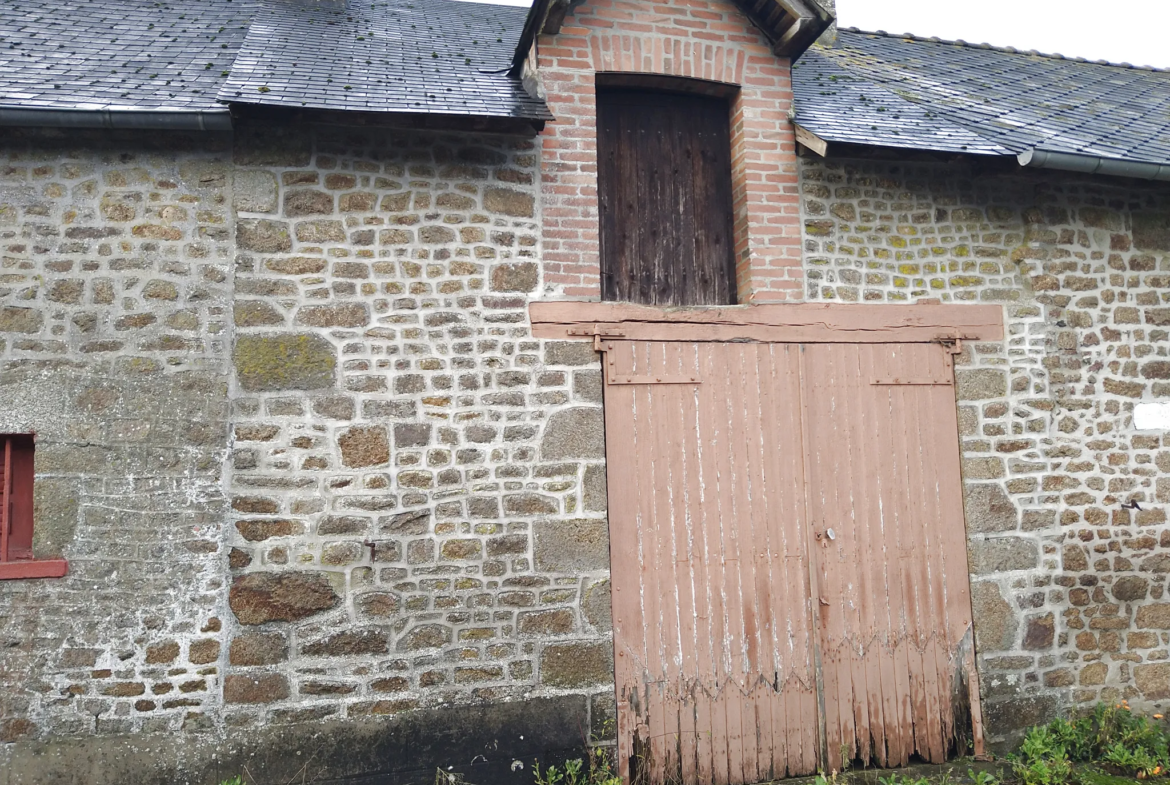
[[789, 559]]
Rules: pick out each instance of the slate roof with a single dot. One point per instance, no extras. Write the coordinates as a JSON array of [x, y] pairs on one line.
[[900, 91], [424, 56], [415, 56], [123, 54]]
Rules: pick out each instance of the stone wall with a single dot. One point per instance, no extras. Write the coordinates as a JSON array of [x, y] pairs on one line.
[[305, 459], [312, 471], [115, 266], [417, 485], [1069, 587]]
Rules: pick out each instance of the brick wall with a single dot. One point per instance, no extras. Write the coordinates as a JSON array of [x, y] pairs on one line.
[[115, 260], [712, 41], [1069, 588]]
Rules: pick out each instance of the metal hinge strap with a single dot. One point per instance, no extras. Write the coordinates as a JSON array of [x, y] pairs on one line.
[[895, 382], [612, 377]]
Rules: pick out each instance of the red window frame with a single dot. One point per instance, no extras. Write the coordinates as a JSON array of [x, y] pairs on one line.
[[17, 471]]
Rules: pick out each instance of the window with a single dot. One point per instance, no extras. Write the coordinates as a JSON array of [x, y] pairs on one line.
[[664, 197], [16, 512]]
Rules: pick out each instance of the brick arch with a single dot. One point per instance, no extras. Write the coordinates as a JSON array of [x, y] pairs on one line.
[[690, 59], [685, 38]]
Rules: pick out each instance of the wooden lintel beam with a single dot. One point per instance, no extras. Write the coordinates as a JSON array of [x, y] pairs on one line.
[[778, 323]]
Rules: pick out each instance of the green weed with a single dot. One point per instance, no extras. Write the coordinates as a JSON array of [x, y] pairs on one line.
[[595, 769], [896, 779], [982, 777], [1111, 736]]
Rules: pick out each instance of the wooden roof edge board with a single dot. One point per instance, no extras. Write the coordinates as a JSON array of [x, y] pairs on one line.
[[811, 140], [558, 10], [844, 323], [533, 26]]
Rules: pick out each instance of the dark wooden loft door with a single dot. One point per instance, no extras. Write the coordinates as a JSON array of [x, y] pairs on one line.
[[664, 187]]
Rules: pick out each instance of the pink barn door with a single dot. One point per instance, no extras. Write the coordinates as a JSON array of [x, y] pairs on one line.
[[788, 558], [893, 594], [712, 626]]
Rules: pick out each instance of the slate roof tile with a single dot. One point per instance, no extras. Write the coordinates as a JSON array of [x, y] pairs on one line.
[[118, 54], [957, 97], [424, 56], [416, 56]]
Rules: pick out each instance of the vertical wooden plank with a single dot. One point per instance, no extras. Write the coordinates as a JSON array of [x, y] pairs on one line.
[[690, 568], [855, 557], [931, 612], [812, 506], [685, 131], [955, 586], [868, 561], [909, 499], [664, 359], [625, 570], [714, 442], [747, 459], [893, 679], [805, 634], [894, 477], [708, 642], [713, 206], [793, 704], [830, 461], [760, 556], [731, 500], [958, 587], [875, 609], [653, 526]]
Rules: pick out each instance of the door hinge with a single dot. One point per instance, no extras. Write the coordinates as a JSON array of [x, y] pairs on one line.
[[952, 346], [612, 377], [596, 333]]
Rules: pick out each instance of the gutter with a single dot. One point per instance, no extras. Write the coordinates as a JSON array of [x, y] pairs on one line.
[[1090, 164], [169, 120]]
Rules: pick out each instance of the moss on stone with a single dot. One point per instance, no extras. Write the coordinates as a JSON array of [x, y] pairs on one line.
[[295, 361]]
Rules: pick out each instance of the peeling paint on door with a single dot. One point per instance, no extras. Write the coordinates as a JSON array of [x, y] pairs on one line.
[[789, 569]]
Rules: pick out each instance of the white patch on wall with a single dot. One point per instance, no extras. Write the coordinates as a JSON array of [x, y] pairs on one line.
[[1151, 416]]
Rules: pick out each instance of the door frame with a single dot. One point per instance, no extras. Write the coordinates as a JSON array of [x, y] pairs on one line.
[[926, 321]]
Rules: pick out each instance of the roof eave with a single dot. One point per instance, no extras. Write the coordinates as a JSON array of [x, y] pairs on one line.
[[1092, 164], [160, 119], [432, 121]]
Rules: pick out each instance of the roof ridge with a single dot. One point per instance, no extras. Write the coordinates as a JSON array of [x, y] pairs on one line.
[[1005, 49]]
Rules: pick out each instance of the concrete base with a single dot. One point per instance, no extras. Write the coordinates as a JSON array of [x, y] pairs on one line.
[[481, 743]]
